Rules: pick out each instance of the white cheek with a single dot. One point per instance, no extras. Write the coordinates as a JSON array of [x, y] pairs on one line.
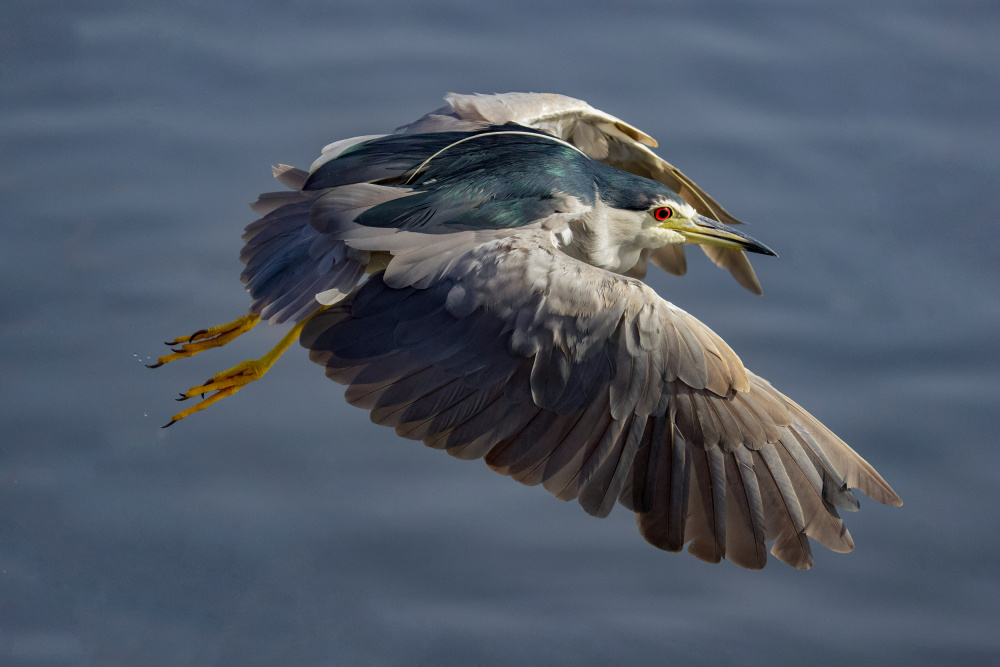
[[670, 236], [659, 237]]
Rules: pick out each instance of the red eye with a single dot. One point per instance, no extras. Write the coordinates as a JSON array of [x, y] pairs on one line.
[[663, 213]]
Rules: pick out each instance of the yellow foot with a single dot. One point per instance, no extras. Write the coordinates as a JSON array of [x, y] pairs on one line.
[[230, 381], [206, 339], [226, 383]]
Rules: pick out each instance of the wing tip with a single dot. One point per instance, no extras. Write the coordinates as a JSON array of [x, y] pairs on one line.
[[888, 497]]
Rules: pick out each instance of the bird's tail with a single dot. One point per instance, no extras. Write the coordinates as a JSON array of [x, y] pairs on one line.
[[292, 268]]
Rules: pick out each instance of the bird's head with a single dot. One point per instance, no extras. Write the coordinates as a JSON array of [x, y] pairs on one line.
[[670, 212], [654, 206]]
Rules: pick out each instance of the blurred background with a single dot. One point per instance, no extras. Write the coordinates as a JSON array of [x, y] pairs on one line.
[[861, 139]]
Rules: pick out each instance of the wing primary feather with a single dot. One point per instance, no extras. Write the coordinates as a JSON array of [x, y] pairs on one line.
[[858, 473], [539, 472], [708, 540], [365, 396], [525, 447], [476, 400], [680, 478], [792, 545], [583, 457], [617, 468], [821, 519], [744, 535], [634, 493], [471, 443], [835, 490], [594, 474], [563, 466], [498, 457]]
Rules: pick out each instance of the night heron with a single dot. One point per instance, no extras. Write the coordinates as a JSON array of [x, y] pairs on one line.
[[504, 318]]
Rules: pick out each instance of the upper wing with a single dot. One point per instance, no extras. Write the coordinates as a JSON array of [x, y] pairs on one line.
[[295, 260], [497, 345], [571, 119], [602, 137], [290, 261]]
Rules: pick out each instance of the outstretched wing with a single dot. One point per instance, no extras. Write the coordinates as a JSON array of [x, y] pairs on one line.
[[604, 138], [497, 345]]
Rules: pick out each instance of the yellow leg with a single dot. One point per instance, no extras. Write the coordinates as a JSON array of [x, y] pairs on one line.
[[207, 339], [230, 381]]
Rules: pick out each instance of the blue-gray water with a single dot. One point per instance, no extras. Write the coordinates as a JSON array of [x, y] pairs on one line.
[[282, 528]]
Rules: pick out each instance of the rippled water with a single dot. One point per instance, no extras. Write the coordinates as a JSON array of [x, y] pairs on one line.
[[280, 527]]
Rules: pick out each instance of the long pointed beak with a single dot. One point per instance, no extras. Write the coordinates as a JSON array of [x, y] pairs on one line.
[[706, 231]]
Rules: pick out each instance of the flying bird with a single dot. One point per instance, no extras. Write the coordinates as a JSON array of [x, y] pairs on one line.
[[475, 279]]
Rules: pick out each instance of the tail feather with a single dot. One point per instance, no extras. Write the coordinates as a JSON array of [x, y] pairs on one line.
[[295, 262]]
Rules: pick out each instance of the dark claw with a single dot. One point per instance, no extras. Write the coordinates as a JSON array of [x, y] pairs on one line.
[[172, 422], [156, 365], [176, 349], [197, 333], [182, 398], [169, 342]]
